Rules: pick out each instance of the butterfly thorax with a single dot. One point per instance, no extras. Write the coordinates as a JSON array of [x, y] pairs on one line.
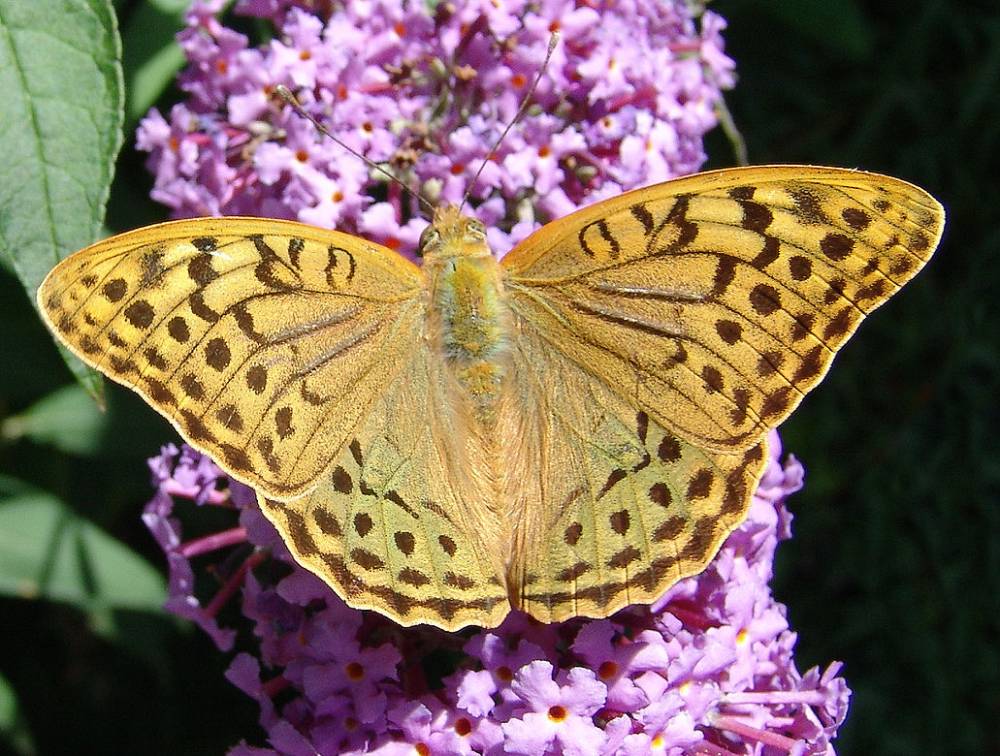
[[468, 318]]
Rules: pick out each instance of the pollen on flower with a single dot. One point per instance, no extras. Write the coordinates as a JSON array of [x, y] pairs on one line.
[[337, 196], [518, 80], [305, 55], [544, 151], [504, 674], [463, 726], [557, 713], [457, 169], [221, 66], [399, 28], [422, 749], [607, 670], [302, 156], [742, 636]]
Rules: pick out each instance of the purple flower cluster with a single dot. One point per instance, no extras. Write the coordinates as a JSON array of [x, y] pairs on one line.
[[628, 94], [426, 89], [707, 670]]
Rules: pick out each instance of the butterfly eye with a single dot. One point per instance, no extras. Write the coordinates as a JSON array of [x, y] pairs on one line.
[[429, 236]]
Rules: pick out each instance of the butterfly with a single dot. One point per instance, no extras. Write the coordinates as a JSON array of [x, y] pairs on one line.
[[568, 431]]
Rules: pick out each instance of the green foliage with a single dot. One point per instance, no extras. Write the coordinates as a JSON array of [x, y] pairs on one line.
[[60, 131], [47, 551], [12, 728], [67, 419], [150, 55], [895, 564]]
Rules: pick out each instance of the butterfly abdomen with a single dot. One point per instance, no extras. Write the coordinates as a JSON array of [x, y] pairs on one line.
[[471, 323]]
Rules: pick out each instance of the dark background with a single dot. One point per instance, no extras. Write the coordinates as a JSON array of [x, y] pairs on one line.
[[894, 567]]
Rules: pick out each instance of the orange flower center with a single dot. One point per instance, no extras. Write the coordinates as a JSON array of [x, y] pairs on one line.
[[557, 713], [607, 670], [355, 671]]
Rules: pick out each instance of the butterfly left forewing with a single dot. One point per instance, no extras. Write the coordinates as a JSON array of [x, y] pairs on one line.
[[264, 342], [715, 302]]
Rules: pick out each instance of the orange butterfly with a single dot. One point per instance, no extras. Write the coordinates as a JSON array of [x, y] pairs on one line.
[[568, 431]]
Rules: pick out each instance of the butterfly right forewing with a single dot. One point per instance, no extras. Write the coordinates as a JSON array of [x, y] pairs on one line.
[[715, 302]]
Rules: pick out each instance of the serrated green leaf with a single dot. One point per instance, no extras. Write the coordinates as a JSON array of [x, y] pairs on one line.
[[48, 551], [67, 419], [60, 131]]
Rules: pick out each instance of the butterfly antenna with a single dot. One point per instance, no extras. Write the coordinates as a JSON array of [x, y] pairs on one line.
[[525, 101], [288, 97]]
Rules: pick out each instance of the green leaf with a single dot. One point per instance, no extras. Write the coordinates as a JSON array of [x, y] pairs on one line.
[[13, 728], [150, 54], [60, 131], [66, 419], [48, 551]]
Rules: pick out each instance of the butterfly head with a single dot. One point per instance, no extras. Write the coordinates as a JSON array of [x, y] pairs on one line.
[[453, 234]]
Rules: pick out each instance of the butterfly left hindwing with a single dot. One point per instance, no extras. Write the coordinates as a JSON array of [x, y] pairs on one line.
[[401, 522]]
